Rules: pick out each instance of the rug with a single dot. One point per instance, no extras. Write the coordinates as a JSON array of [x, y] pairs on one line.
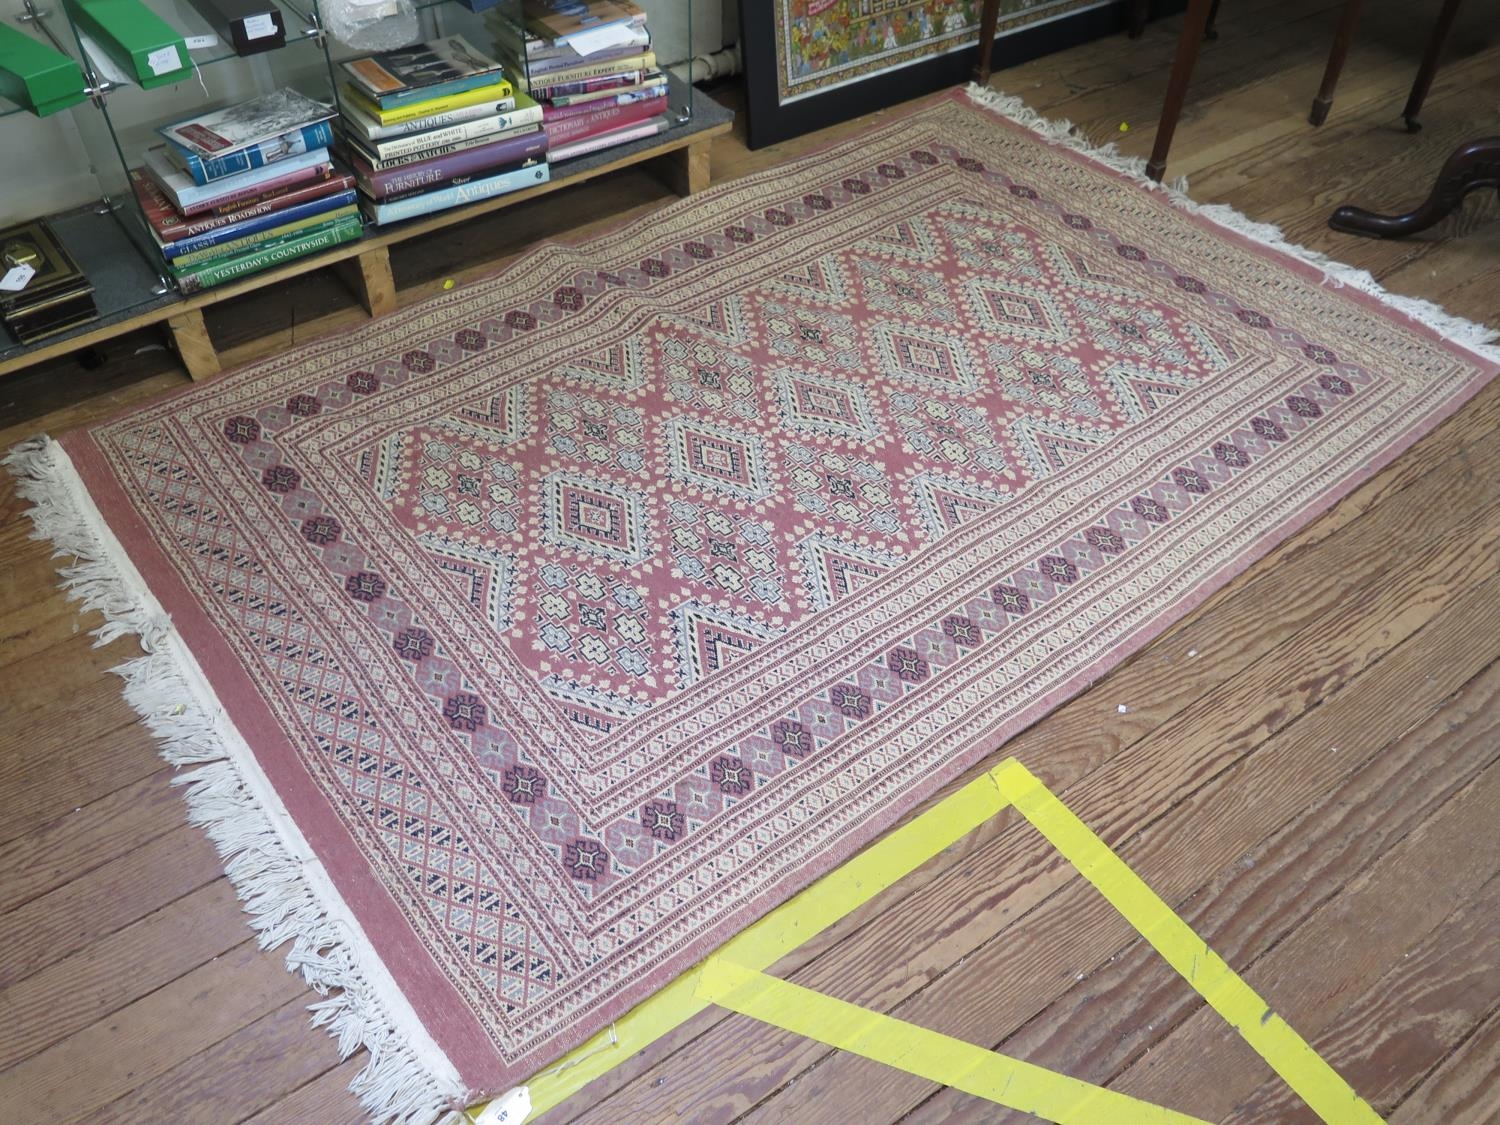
[[532, 640]]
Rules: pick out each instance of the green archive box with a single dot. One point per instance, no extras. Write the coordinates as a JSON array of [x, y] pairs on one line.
[[136, 38], [35, 76]]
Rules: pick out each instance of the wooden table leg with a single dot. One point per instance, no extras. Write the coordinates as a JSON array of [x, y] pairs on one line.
[[687, 170], [1428, 69], [989, 19], [194, 346], [368, 274], [1193, 24], [1341, 40]]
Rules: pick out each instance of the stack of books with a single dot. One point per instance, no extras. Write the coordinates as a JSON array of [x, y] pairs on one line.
[[240, 189], [436, 125], [590, 65], [42, 290]]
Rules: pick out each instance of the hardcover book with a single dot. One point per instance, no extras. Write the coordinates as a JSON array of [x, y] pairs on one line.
[[370, 128], [558, 19], [428, 107], [190, 279], [205, 170], [570, 127], [588, 71], [247, 123], [422, 71], [254, 225], [527, 114], [193, 199], [428, 202], [267, 239], [169, 225], [607, 140], [417, 156], [443, 170]]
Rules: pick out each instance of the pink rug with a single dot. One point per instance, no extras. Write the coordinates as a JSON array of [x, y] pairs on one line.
[[542, 635]]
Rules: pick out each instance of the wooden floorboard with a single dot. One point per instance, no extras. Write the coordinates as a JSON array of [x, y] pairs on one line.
[[1306, 768]]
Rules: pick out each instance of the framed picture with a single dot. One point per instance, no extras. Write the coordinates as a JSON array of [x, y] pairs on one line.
[[811, 63]]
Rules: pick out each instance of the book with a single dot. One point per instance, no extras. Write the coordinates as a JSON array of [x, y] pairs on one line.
[[518, 41], [265, 240], [356, 148], [567, 127], [455, 195], [205, 170], [370, 128], [654, 80], [553, 21], [527, 114], [607, 140], [422, 71], [247, 123], [194, 199], [191, 279], [169, 225], [264, 227], [414, 111], [585, 71], [588, 86], [443, 170]]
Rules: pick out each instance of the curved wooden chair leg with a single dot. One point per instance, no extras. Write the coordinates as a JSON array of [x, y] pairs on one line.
[[1472, 165], [1428, 69]]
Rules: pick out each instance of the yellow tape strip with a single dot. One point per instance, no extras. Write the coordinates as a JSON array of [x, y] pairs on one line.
[[927, 1054], [1317, 1083], [766, 941]]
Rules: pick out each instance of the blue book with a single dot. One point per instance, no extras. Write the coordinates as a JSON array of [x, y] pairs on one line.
[[455, 195], [205, 170], [270, 219]]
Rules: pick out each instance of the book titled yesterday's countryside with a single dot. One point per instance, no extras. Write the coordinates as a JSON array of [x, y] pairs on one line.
[[190, 279]]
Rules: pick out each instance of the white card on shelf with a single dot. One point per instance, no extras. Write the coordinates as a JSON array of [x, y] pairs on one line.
[[200, 42], [259, 27], [164, 60], [16, 277]]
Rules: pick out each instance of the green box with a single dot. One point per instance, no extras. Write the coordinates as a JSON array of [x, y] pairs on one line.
[[35, 76], [143, 44]]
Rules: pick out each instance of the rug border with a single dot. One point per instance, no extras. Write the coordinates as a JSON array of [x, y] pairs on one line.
[[279, 881]]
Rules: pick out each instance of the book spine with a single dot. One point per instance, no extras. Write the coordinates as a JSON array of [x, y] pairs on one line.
[[587, 85], [449, 89], [564, 75], [577, 126], [445, 169], [608, 91], [463, 132], [285, 197], [457, 195], [218, 272], [375, 131], [267, 239], [433, 106], [605, 140], [226, 201], [259, 221], [417, 157], [207, 170]]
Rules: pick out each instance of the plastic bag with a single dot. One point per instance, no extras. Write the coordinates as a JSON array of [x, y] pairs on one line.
[[370, 25]]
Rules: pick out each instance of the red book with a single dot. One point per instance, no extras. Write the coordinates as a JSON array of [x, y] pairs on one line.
[[571, 127], [409, 179], [170, 225]]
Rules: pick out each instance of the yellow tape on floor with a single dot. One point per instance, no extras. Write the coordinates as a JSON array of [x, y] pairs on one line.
[[1300, 1067], [927, 1054], [733, 978]]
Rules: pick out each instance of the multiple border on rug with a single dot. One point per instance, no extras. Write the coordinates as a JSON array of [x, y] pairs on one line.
[[288, 894]]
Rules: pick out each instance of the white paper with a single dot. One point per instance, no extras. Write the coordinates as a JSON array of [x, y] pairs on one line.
[[16, 278], [164, 60], [200, 42], [618, 34], [510, 1108], [260, 27], [105, 67]]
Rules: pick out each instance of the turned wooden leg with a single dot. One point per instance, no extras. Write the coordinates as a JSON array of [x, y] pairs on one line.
[[1136, 27], [1193, 24], [1473, 165], [1429, 66], [989, 19], [1336, 55], [194, 346]]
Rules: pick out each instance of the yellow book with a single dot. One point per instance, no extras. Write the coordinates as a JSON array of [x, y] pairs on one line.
[[410, 112]]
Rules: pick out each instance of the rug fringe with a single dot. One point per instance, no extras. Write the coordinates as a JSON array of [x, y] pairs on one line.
[[1064, 133], [407, 1080]]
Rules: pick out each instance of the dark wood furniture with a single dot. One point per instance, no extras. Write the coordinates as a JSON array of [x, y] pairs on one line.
[[1471, 166]]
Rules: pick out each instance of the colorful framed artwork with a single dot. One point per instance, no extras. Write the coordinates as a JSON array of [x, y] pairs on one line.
[[811, 63]]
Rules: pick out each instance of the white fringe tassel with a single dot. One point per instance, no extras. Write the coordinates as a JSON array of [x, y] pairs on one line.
[[400, 1083], [1063, 133]]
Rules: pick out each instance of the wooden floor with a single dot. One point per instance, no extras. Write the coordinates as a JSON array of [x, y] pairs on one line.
[[1306, 770]]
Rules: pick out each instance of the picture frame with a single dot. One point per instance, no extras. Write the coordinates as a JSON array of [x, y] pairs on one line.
[[861, 62]]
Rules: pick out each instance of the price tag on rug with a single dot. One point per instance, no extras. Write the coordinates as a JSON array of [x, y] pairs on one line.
[[510, 1108]]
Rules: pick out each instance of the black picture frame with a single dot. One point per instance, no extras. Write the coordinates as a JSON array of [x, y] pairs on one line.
[[768, 121]]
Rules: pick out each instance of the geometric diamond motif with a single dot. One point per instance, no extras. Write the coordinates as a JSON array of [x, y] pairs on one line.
[[1012, 308], [709, 638], [832, 568], [821, 405], [926, 356], [597, 517], [717, 458]]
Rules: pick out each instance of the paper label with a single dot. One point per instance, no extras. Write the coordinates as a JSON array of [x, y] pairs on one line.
[[510, 1108], [261, 26], [164, 60], [200, 42], [16, 277]]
